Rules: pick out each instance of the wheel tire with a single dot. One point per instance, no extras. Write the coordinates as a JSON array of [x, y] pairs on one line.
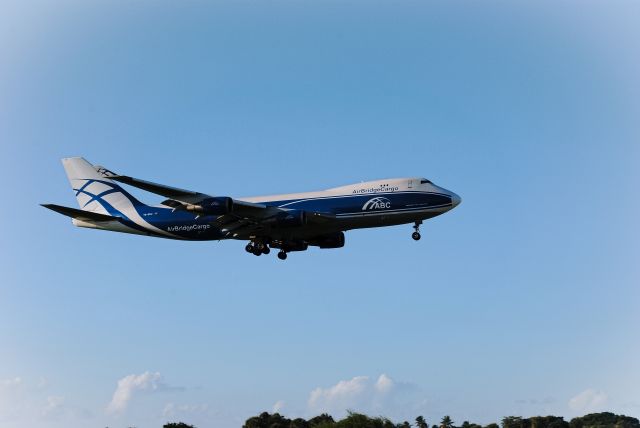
[[266, 250], [257, 252], [282, 255], [415, 236], [249, 248]]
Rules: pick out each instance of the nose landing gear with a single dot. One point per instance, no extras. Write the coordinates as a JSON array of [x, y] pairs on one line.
[[416, 235], [282, 255]]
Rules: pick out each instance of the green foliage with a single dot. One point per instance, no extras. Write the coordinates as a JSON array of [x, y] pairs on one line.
[[604, 420], [421, 423], [512, 422], [321, 421], [299, 423], [359, 420], [266, 420], [547, 422], [446, 422]]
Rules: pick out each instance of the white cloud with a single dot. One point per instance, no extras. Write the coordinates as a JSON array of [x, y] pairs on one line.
[[14, 401], [128, 386], [172, 410], [384, 384], [278, 406], [54, 406], [11, 383], [27, 402], [384, 395], [343, 395], [588, 400], [43, 383]]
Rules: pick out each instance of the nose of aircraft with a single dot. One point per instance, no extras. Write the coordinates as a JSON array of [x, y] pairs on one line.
[[455, 200]]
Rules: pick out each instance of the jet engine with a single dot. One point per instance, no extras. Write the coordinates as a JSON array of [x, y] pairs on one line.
[[213, 206], [291, 218], [335, 240]]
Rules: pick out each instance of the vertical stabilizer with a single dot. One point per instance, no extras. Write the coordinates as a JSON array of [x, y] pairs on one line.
[[95, 192]]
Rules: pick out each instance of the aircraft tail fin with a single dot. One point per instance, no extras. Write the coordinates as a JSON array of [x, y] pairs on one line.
[[95, 192]]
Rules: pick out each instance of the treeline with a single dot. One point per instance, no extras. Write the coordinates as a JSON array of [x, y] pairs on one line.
[[358, 420]]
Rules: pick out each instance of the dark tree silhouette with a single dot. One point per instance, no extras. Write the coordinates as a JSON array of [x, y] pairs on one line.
[[320, 421], [512, 422], [266, 420], [546, 422], [358, 420], [299, 423], [446, 422], [421, 423], [604, 419]]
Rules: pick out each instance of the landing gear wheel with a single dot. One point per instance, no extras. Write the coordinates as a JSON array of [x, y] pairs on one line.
[[249, 248], [282, 255], [416, 235], [266, 250]]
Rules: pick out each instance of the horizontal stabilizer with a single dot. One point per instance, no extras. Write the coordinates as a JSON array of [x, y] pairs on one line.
[[79, 214]]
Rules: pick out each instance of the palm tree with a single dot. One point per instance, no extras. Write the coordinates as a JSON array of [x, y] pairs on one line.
[[421, 423], [446, 422]]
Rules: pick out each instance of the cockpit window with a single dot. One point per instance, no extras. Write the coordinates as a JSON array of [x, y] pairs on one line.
[[425, 181]]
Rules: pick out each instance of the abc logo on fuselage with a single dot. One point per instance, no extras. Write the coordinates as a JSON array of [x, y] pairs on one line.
[[378, 203]]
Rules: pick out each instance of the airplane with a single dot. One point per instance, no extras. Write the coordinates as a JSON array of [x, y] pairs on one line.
[[288, 222]]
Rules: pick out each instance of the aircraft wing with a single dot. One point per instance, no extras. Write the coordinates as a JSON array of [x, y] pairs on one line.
[[181, 195], [244, 218]]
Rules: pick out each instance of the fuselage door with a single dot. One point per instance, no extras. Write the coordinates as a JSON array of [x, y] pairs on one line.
[[410, 184]]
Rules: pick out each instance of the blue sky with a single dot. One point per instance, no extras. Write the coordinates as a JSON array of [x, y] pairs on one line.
[[523, 300]]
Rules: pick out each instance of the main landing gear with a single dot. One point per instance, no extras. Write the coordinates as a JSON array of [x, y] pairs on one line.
[[416, 235], [257, 248], [264, 245]]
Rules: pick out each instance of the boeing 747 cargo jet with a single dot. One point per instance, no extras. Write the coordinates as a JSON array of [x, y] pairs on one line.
[[290, 222]]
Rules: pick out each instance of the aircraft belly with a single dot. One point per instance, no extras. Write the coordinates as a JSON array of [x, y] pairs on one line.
[[380, 219], [113, 226]]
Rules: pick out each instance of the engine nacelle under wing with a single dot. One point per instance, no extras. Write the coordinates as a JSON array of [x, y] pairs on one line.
[[335, 240], [213, 206], [291, 218]]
